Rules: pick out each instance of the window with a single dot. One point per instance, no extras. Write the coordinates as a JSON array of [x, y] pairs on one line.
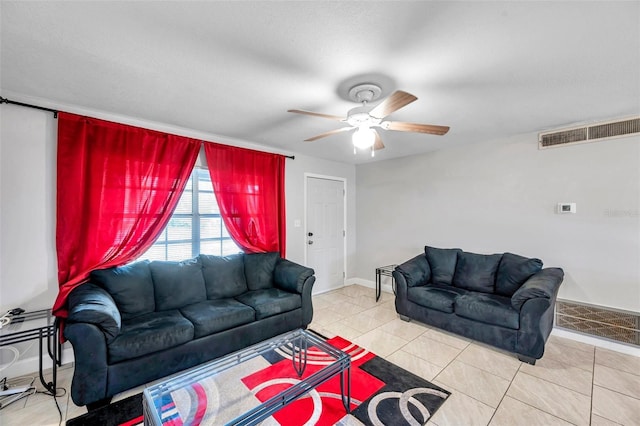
[[196, 225]]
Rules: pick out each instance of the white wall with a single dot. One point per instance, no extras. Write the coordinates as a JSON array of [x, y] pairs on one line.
[[501, 196], [28, 271], [28, 263]]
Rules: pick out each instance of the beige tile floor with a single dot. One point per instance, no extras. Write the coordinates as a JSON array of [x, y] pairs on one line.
[[574, 383]]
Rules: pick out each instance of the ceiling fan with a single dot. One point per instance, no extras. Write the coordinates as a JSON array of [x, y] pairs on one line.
[[366, 119]]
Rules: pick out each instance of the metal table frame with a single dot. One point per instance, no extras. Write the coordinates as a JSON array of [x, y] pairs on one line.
[[298, 341], [387, 271], [50, 332]]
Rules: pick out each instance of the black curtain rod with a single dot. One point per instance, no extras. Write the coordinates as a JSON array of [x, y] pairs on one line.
[[55, 113], [8, 101]]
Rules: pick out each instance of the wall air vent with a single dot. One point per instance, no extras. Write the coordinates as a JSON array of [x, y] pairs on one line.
[[613, 324], [591, 133]]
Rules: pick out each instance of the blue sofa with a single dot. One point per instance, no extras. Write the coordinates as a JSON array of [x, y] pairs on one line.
[[137, 323], [504, 300]]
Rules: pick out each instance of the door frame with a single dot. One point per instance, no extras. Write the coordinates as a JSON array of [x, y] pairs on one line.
[[344, 218]]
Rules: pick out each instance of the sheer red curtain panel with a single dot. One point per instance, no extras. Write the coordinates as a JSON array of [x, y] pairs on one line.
[[117, 187], [249, 188]]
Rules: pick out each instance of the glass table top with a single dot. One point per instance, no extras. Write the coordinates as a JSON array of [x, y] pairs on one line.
[[233, 389]]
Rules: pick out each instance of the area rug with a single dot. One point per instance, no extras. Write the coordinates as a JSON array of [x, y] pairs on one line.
[[381, 394]]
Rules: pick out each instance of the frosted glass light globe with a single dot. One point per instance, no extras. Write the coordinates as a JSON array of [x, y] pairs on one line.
[[364, 138]]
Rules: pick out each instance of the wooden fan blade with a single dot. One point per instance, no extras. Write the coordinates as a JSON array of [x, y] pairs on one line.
[[329, 133], [397, 100], [317, 114], [418, 128], [378, 143]]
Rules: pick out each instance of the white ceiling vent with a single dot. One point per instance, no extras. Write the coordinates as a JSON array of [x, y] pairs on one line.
[[590, 133]]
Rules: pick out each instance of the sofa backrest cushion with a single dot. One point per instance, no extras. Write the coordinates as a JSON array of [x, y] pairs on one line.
[[258, 269], [513, 271], [442, 263], [177, 284], [476, 272], [223, 276], [416, 271], [130, 286]]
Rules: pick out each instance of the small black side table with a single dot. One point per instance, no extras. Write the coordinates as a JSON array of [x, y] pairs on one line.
[[36, 325], [387, 271]]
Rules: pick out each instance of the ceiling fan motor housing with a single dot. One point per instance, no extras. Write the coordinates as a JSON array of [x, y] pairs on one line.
[[365, 92], [359, 116]]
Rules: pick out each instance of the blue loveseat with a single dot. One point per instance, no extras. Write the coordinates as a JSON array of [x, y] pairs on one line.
[[140, 322], [504, 300]]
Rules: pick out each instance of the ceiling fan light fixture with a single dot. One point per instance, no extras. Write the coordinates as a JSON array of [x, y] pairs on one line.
[[364, 137]]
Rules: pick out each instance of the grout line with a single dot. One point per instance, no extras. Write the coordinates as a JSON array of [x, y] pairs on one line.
[[538, 409], [614, 391], [505, 392], [533, 406], [562, 386], [593, 384]]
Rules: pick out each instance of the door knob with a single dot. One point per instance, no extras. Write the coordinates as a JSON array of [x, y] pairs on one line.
[[310, 242], [310, 234]]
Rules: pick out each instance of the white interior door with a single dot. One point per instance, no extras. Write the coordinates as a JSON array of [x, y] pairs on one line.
[[325, 232]]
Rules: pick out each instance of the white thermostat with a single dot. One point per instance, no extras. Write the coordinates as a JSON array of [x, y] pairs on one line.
[[566, 208]]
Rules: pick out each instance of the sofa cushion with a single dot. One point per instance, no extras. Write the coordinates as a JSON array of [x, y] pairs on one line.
[[513, 271], [416, 271], [476, 272], [130, 286], [270, 302], [223, 276], [488, 308], [211, 316], [150, 333], [442, 263], [434, 296], [258, 269], [177, 284]]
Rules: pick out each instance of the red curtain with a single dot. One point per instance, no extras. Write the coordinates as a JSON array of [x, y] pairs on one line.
[[117, 188], [249, 188]]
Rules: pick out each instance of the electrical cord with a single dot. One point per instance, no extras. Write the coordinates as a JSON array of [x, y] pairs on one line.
[[19, 382], [4, 385], [16, 355], [6, 318], [55, 399]]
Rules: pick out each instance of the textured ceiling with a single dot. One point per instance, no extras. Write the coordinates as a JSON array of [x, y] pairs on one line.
[[487, 69]]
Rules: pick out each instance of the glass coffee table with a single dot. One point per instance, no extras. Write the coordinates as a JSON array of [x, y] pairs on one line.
[[216, 392]]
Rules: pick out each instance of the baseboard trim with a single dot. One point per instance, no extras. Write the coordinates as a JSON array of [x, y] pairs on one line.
[[29, 366], [368, 283], [601, 343]]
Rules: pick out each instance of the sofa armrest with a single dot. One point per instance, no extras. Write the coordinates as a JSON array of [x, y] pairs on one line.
[[91, 304], [544, 284], [416, 271], [291, 276], [90, 360], [299, 279]]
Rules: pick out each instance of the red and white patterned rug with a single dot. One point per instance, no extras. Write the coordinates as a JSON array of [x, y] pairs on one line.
[[381, 394]]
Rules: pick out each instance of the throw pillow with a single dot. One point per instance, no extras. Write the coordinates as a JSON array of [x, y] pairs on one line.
[[442, 263], [223, 276], [177, 284], [513, 271], [258, 269], [416, 271], [130, 286], [476, 272]]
